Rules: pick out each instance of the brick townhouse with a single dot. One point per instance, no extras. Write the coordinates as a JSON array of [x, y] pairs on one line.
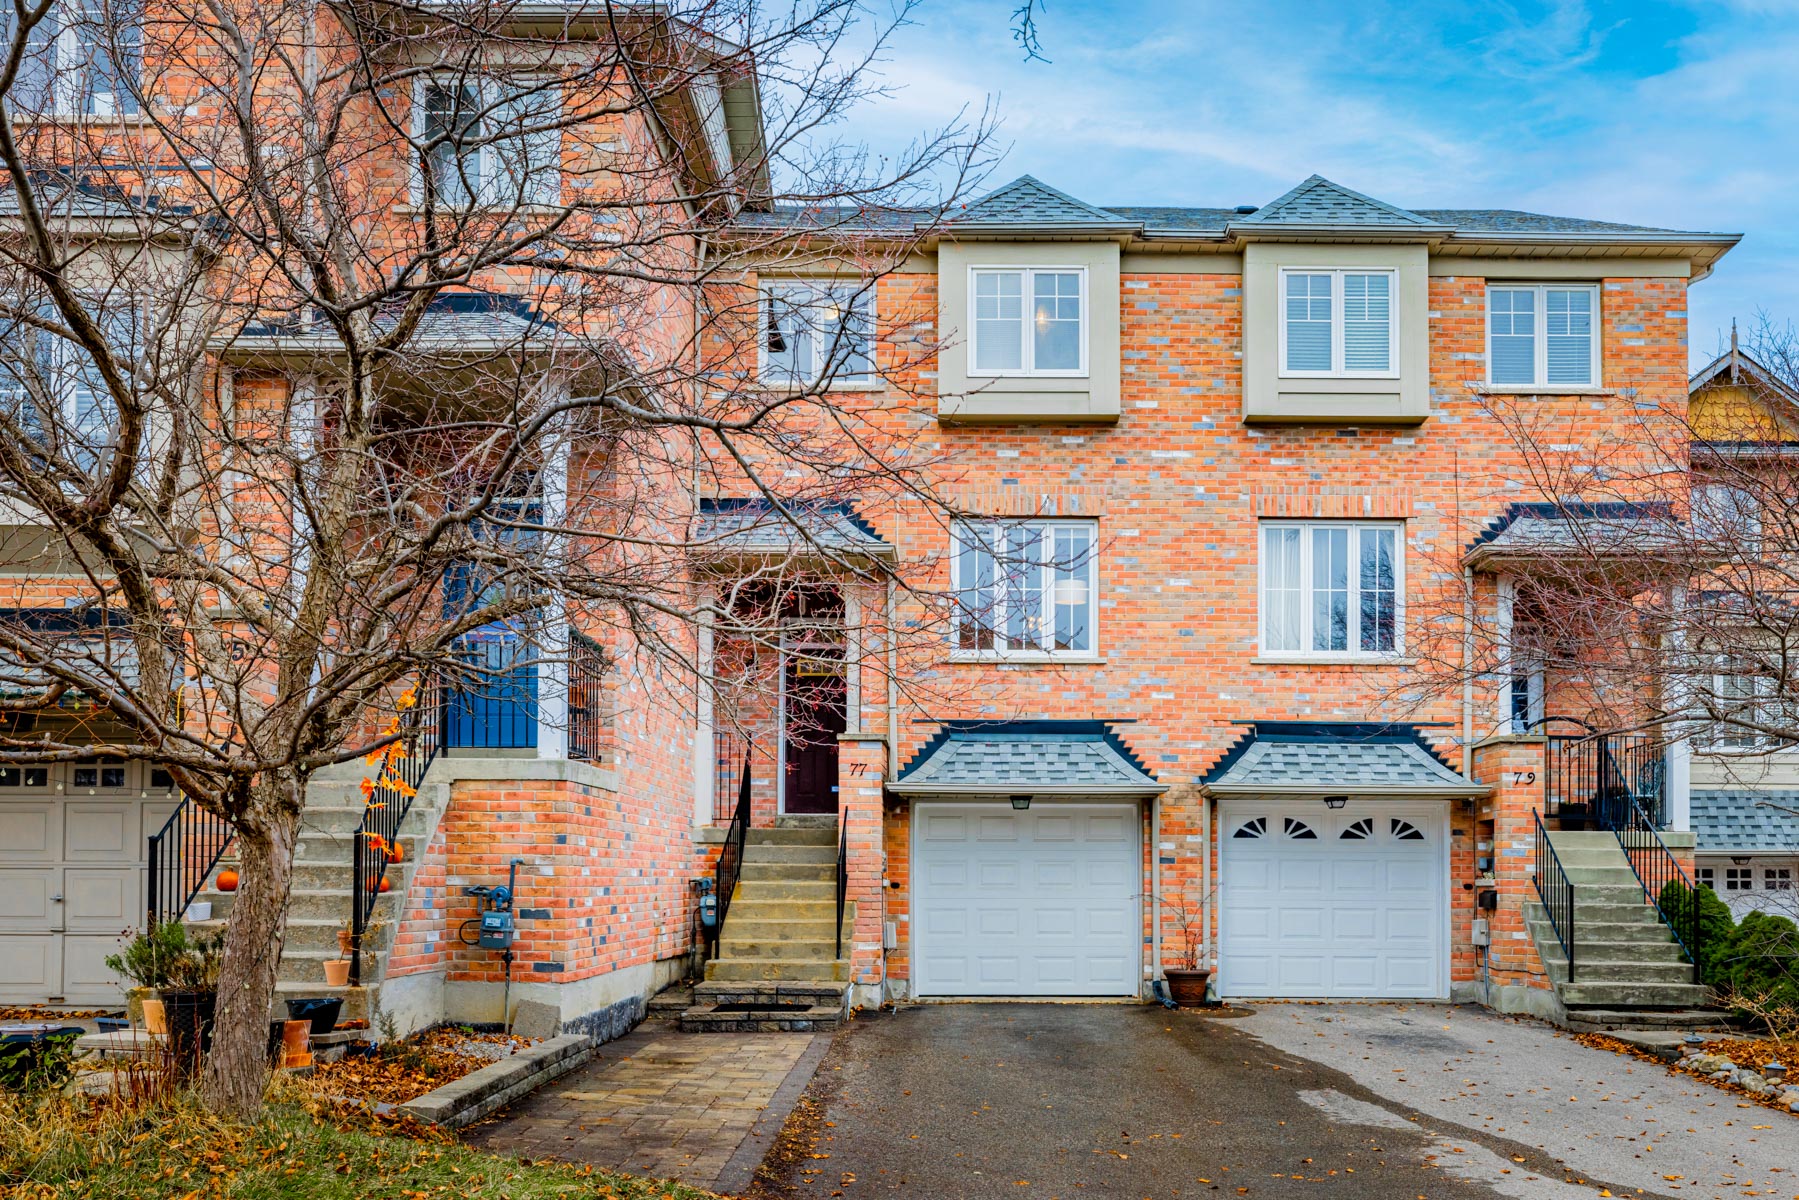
[[1230, 493]]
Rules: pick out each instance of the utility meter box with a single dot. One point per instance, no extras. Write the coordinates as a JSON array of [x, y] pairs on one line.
[[1482, 934], [496, 930]]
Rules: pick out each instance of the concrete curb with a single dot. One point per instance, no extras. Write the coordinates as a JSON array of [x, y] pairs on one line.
[[467, 1100]]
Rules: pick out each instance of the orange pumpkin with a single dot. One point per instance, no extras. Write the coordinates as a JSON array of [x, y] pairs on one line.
[[380, 885], [227, 880], [396, 853]]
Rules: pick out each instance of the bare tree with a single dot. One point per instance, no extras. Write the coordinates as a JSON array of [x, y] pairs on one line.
[[334, 334]]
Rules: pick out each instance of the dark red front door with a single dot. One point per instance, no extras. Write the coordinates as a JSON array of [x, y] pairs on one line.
[[815, 716]]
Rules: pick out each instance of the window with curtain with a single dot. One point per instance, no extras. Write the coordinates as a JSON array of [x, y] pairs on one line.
[[1331, 588], [816, 330], [1338, 323], [1028, 321], [1025, 587], [490, 142], [1543, 335]]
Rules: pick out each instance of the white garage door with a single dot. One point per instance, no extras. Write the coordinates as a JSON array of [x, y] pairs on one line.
[[72, 844], [1351, 902], [1042, 902]]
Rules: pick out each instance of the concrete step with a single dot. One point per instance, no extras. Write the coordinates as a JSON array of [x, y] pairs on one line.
[[755, 928], [303, 933], [733, 945], [822, 891], [811, 821], [1629, 892], [322, 846], [1584, 994], [741, 969], [754, 908], [314, 904], [1598, 950], [307, 967], [1616, 875], [1631, 912], [824, 856], [358, 1002], [1602, 1020], [801, 871], [824, 835], [1593, 969]]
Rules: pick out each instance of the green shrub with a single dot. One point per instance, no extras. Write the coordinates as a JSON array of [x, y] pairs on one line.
[[1716, 928], [38, 1066], [1762, 960], [152, 956]]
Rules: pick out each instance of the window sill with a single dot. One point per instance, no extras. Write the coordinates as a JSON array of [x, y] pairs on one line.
[[775, 389], [1495, 389], [123, 120], [526, 210], [973, 374], [1332, 660], [1026, 660], [1326, 377]]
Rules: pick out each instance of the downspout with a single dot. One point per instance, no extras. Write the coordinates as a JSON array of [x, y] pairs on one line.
[[1155, 887], [1209, 957], [1467, 672], [892, 688]]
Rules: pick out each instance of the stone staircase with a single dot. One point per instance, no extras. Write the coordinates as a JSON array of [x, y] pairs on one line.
[[1629, 972], [777, 964], [319, 903]]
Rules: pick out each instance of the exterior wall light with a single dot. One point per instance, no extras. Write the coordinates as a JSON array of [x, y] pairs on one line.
[[1335, 801], [1741, 860], [1021, 802]]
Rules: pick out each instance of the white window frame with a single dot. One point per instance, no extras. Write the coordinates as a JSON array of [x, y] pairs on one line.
[[1540, 355], [997, 616], [861, 298], [490, 90], [1353, 652], [72, 92], [1748, 529], [1028, 347], [1338, 370], [1722, 738]]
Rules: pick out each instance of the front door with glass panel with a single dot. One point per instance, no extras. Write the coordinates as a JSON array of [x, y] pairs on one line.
[[814, 713]]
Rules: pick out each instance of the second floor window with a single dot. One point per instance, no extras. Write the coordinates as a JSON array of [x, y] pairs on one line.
[[815, 331], [1331, 588], [1028, 321], [1337, 322], [1025, 587], [1727, 514], [490, 142], [55, 387], [1742, 701], [85, 58], [1543, 336]]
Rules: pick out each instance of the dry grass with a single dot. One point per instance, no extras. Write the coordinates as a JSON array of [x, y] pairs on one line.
[[405, 1070]]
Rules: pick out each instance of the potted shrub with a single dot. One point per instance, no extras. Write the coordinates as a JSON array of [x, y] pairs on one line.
[[192, 995], [148, 961], [1187, 983]]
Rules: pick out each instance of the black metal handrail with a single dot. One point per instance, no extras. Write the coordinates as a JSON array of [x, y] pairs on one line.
[[373, 849], [1556, 891], [1594, 776], [182, 855], [1656, 867], [729, 867], [843, 875]]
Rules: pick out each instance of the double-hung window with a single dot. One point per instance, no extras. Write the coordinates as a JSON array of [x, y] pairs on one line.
[[1741, 701], [84, 58], [1332, 588], [55, 389], [813, 331], [1338, 323], [1025, 587], [488, 141], [1543, 335], [1028, 321], [1777, 879]]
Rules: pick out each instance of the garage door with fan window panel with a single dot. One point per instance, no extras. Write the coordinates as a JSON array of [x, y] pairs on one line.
[[72, 848], [1350, 902]]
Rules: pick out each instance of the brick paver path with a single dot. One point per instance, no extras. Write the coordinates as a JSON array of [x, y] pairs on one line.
[[699, 1107]]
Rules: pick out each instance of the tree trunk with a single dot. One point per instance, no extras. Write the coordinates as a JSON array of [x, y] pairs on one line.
[[237, 1068]]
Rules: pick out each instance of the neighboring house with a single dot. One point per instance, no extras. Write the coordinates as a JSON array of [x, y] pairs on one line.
[[1748, 849], [1228, 470]]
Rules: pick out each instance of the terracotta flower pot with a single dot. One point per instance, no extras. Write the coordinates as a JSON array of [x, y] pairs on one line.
[[155, 1020], [337, 972], [1188, 987]]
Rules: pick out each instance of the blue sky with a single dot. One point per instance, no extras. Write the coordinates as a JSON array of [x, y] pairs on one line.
[[1677, 115]]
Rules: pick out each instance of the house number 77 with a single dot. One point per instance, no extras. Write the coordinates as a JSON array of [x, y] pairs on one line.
[[858, 768]]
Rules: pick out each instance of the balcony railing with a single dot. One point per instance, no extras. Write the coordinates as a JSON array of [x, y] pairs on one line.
[[1595, 777]]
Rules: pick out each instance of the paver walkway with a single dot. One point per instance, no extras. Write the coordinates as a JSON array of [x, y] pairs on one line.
[[700, 1108]]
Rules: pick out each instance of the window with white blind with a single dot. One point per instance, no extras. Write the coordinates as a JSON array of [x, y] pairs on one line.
[[1338, 323], [1025, 587], [489, 142], [1028, 321], [1741, 700], [1332, 588], [1543, 335]]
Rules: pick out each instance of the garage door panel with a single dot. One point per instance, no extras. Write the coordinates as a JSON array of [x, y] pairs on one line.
[[31, 967], [28, 832], [1356, 911], [1050, 906], [100, 832], [85, 977], [100, 898], [25, 902]]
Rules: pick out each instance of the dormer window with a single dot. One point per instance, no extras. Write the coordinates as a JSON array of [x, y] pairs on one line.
[[1028, 321], [1338, 323]]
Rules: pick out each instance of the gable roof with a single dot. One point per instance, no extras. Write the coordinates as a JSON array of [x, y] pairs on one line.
[[1736, 365], [1622, 528], [1044, 758], [1028, 201], [753, 525], [1351, 757], [1318, 201]]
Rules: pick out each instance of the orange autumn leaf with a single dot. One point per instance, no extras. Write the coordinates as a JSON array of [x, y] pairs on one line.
[[368, 788]]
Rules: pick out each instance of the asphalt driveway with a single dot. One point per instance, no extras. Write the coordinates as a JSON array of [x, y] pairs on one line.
[[1380, 1101]]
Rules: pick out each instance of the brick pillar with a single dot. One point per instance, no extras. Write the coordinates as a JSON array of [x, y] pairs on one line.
[[861, 774], [1514, 766]]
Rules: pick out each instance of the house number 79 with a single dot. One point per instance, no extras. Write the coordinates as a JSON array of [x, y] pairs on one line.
[[1524, 776]]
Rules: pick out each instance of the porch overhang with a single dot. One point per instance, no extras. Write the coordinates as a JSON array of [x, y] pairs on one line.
[[1602, 532], [1336, 758], [739, 528], [1048, 759]]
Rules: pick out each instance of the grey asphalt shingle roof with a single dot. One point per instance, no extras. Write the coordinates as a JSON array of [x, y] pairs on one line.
[[1030, 201], [1350, 757], [1752, 822], [1604, 527], [1058, 758], [1318, 201], [753, 525], [455, 319]]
